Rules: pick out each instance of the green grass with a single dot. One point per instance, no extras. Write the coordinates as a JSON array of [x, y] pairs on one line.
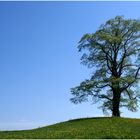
[[88, 128]]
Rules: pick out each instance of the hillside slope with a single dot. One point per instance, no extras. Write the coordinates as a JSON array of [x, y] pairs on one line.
[[101, 128]]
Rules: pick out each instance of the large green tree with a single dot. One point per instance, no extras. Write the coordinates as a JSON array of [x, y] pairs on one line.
[[113, 53]]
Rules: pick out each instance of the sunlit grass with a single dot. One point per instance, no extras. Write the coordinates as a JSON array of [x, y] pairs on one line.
[[101, 128]]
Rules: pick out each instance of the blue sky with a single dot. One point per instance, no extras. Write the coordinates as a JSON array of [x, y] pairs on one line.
[[39, 61]]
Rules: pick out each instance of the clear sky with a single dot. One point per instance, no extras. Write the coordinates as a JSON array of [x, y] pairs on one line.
[[39, 61]]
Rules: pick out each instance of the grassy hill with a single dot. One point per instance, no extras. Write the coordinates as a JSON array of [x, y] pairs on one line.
[[92, 128]]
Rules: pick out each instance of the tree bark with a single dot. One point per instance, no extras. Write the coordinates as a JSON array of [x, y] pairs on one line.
[[116, 103]]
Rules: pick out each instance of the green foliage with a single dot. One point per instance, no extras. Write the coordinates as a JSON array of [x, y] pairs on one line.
[[90, 128], [113, 54]]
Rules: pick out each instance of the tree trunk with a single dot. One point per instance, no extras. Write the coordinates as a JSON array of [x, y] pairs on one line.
[[116, 103]]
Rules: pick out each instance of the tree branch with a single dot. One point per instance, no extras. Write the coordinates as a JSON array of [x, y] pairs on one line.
[[103, 86], [104, 97], [129, 84], [130, 97]]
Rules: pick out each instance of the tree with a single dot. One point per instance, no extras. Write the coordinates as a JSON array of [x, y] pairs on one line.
[[113, 53]]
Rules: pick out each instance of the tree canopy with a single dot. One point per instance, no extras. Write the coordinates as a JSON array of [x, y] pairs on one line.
[[113, 54]]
